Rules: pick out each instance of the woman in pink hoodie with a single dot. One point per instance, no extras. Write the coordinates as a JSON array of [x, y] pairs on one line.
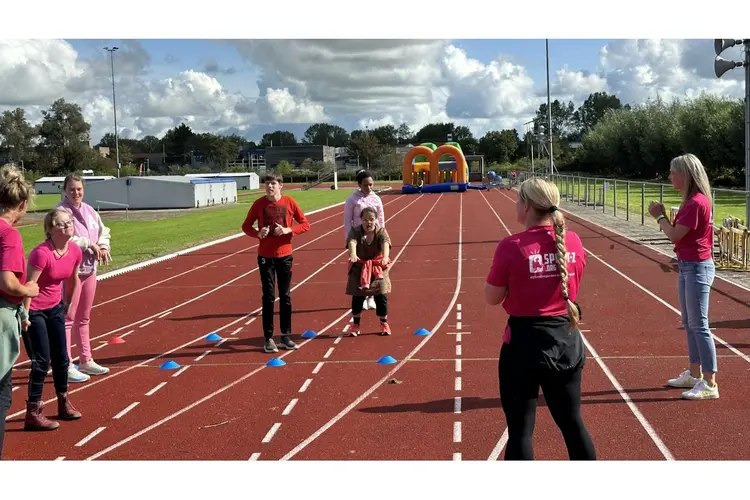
[[357, 201], [92, 236]]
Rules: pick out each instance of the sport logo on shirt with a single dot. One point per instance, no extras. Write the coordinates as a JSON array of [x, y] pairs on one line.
[[539, 263]]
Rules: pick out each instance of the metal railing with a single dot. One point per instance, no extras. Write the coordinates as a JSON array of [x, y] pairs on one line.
[[630, 200], [322, 177], [113, 203]]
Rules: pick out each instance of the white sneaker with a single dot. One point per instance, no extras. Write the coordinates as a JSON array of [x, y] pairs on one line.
[[371, 303], [365, 304], [92, 368], [702, 391], [684, 380], [76, 377]]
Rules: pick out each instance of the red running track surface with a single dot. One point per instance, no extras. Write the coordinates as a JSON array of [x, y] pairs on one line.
[[332, 401]]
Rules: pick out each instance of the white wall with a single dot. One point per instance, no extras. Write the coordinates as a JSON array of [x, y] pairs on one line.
[[215, 193]]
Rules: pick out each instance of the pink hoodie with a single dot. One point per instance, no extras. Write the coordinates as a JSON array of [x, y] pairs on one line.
[[89, 229], [353, 209]]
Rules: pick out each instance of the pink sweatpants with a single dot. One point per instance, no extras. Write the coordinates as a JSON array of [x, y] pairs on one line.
[[78, 318]]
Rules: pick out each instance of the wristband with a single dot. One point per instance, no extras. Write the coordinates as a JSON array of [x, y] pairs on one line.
[[658, 219]]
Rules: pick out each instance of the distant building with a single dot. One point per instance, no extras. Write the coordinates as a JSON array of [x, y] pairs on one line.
[[297, 154]]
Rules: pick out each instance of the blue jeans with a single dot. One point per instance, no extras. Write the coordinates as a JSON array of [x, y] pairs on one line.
[[695, 280]]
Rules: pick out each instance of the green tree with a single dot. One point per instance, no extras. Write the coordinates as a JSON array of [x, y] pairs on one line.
[[324, 134], [278, 138], [17, 135], [65, 136]]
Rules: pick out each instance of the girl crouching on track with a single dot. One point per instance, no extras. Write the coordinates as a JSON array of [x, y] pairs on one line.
[[369, 258], [51, 263], [535, 274]]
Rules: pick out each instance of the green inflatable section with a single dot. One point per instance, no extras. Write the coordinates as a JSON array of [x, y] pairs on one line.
[[449, 157], [423, 158]]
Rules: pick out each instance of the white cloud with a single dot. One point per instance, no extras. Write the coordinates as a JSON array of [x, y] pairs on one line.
[[352, 83]]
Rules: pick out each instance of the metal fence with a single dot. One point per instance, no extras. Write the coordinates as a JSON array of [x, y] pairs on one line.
[[630, 200]]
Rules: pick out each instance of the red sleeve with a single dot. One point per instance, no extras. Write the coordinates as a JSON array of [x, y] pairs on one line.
[[688, 215], [38, 259], [501, 264], [252, 216], [12, 256], [302, 224]]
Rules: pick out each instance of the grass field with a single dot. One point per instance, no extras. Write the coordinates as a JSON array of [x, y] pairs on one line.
[[725, 203], [138, 240]]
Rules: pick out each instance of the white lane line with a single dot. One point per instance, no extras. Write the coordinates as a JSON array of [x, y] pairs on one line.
[[338, 339], [166, 313], [457, 457], [458, 325], [290, 406], [456, 432], [458, 366], [346, 328], [318, 367], [305, 385], [457, 384], [458, 349], [458, 316], [495, 453], [146, 324], [419, 346], [328, 353], [457, 405], [458, 307], [89, 437], [126, 410], [236, 331], [58, 459], [250, 321], [254, 457], [221, 341], [271, 432], [202, 355], [99, 347], [180, 371], [152, 391], [126, 333]]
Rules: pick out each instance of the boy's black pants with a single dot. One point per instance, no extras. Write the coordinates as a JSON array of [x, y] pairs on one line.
[[272, 271]]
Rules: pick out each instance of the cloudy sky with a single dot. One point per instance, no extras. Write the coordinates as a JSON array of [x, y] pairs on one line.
[[251, 87]]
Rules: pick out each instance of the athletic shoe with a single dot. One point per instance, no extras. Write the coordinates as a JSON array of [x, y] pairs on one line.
[[385, 329], [702, 391], [684, 380], [91, 368], [287, 342], [270, 346], [354, 331], [76, 377]]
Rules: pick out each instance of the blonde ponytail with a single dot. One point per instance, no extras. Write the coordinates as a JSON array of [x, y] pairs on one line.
[[561, 256]]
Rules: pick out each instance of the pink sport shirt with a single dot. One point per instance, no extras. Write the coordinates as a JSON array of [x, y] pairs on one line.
[[55, 270], [525, 264], [697, 244]]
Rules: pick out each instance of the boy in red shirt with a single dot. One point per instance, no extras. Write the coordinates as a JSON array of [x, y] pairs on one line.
[[275, 214]]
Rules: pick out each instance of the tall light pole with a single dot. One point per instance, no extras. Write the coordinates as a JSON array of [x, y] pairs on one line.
[[549, 112], [721, 66], [114, 104]]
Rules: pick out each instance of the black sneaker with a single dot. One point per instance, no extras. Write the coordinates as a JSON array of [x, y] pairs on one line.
[[287, 342], [270, 346]]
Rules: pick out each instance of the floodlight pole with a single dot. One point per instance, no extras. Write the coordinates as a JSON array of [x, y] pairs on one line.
[[114, 104], [549, 112]]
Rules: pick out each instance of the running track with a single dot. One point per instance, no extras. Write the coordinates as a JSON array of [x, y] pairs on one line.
[[332, 401]]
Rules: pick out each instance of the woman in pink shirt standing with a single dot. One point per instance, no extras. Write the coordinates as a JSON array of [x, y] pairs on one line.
[[92, 236], [692, 234], [51, 263], [535, 275], [355, 203], [15, 193]]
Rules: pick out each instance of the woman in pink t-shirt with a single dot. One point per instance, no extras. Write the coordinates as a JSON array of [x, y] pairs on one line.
[[535, 274], [693, 237], [51, 263]]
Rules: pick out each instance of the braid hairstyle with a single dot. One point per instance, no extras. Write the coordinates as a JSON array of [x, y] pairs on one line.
[[544, 197]]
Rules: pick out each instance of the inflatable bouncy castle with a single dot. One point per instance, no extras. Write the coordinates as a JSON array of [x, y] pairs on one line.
[[431, 169]]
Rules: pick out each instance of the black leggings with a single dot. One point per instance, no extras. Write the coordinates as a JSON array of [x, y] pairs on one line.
[[520, 381], [381, 305]]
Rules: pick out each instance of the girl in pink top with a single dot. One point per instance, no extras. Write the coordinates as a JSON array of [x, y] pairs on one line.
[[51, 263], [693, 236], [91, 236], [359, 200], [535, 275]]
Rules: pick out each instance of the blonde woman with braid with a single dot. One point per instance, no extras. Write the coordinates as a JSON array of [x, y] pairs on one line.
[[692, 235], [535, 274]]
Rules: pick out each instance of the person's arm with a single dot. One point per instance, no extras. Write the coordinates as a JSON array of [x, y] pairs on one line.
[[252, 216], [385, 244], [303, 225], [687, 219], [496, 286], [380, 213], [348, 214], [71, 286], [351, 244], [10, 285], [32, 274]]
